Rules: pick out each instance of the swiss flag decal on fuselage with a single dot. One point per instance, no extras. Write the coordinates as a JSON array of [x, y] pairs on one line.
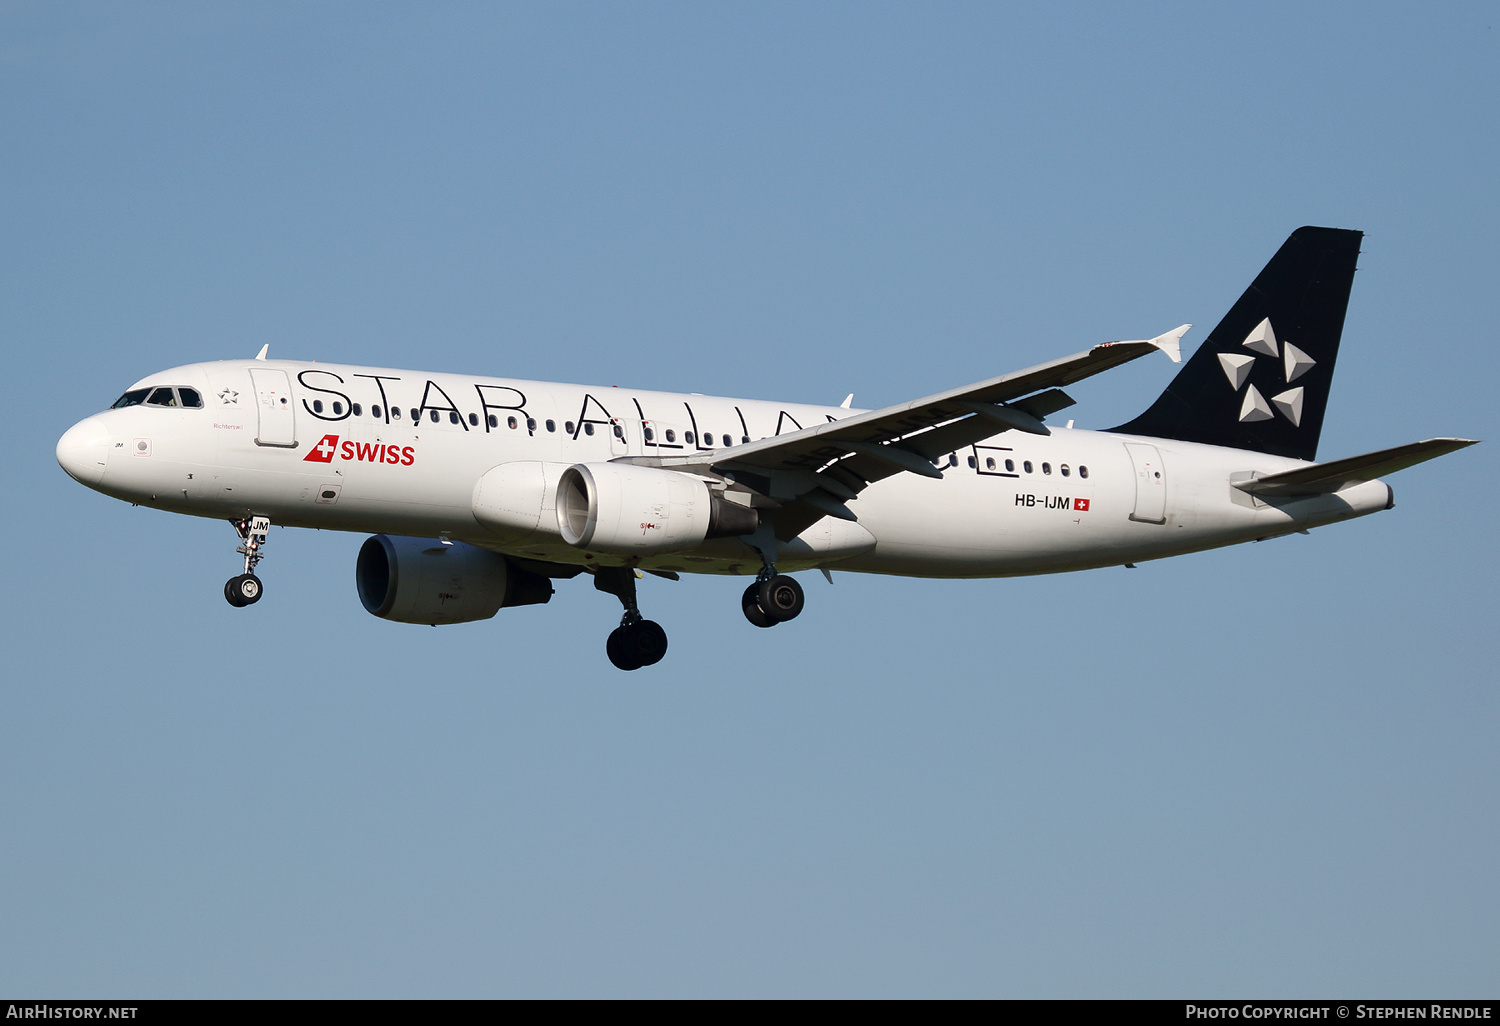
[[1081, 505], [323, 451]]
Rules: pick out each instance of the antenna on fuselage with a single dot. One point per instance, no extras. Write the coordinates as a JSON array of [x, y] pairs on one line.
[[847, 400], [263, 350]]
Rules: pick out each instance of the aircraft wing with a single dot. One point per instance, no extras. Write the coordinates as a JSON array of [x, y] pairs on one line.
[[1326, 478], [824, 466]]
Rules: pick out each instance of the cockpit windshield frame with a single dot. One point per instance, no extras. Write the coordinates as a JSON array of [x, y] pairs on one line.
[[179, 397]]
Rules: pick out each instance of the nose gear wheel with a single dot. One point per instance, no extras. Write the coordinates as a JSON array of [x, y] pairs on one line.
[[243, 590]]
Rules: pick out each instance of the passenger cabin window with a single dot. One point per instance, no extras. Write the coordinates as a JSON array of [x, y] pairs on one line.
[[569, 425], [588, 429], [1026, 466], [551, 424], [1046, 468], [395, 412], [510, 422], [1010, 466], [1065, 470], [338, 409], [134, 398], [355, 409], [317, 406], [375, 412], [1083, 471], [473, 420], [650, 434], [671, 435], [531, 424]]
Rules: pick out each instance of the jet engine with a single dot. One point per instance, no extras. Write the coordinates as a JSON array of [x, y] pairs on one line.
[[422, 580], [627, 510], [514, 501]]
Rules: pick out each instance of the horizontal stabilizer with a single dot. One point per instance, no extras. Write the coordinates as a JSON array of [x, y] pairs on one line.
[[1325, 478]]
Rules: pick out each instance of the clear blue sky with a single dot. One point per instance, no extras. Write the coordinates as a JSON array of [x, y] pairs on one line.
[[1268, 770]]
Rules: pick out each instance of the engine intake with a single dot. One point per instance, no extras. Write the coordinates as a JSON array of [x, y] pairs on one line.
[[421, 580], [627, 510]]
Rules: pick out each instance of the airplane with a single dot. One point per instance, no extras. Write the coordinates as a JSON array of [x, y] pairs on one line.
[[480, 492]]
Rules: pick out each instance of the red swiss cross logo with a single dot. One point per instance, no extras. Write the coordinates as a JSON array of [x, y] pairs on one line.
[[1081, 505], [323, 451]]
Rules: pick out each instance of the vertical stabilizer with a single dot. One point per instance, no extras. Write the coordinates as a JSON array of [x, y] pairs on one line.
[[1260, 380]]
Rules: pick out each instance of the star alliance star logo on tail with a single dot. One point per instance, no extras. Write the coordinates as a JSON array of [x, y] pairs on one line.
[[1237, 369]]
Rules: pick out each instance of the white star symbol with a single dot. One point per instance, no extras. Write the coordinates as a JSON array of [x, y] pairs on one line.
[[1236, 366]]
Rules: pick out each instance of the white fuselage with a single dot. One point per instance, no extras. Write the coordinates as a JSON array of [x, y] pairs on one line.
[[282, 439]]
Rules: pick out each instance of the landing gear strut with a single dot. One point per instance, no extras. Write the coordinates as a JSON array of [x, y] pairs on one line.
[[246, 588], [637, 641]]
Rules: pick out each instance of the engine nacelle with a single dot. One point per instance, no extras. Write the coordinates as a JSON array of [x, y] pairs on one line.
[[514, 501], [421, 580], [627, 510]]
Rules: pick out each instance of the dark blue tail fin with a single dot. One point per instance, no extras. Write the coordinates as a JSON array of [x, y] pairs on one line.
[[1260, 380]]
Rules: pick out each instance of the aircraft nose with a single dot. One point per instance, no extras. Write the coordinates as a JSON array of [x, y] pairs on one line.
[[83, 451]]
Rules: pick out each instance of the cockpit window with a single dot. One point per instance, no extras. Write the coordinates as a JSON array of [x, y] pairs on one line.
[[131, 398], [188, 398]]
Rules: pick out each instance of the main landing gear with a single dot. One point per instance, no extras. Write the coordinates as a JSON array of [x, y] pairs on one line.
[[245, 589], [773, 598], [637, 641]]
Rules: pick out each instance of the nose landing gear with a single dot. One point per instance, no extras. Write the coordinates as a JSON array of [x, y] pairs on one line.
[[637, 642], [246, 588]]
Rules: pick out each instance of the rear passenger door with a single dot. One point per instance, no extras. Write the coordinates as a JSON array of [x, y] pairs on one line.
[[1150, 484]]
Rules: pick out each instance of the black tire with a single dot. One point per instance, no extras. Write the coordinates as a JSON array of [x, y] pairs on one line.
[[647, 642], [247, 589], [619, 650], [780, 598], [231, 592], [750, 604]]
